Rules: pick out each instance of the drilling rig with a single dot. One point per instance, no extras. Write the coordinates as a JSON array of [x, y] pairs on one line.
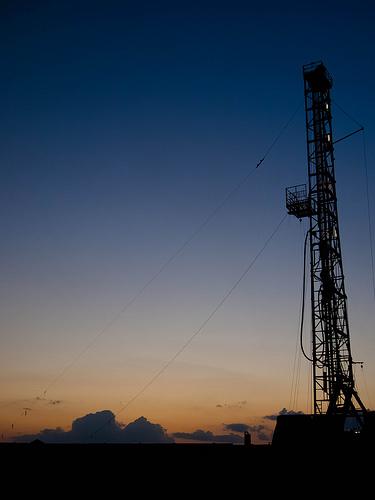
[[335, 398]]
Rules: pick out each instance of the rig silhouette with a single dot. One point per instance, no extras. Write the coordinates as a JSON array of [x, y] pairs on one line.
[[338, 411]]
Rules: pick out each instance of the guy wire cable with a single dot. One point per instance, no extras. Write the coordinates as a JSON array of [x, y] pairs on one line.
[[173, 256], [197, 332]]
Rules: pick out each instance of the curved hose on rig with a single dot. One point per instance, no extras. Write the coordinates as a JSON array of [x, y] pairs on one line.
[[303, 298]]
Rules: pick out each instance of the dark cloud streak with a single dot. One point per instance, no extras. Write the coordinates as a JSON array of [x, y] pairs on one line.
[[208, 436], [284, 411], [260, 431], [236, 427], [239, 404]]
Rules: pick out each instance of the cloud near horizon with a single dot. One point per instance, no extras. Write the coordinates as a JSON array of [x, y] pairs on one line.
[[239, 404], [208, 436], [236, 427], [284, 411], [260, 430], [102, 427]]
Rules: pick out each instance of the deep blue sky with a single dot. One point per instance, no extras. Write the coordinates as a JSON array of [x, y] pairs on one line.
[[123, 124]]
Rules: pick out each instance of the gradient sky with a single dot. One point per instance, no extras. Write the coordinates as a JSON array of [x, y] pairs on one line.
[[123, 125]]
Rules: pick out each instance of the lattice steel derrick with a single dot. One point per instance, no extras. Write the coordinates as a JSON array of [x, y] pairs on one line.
[[333, 381]]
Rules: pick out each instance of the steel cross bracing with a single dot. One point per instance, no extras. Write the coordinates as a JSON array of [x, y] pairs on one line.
[[333, 380]]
